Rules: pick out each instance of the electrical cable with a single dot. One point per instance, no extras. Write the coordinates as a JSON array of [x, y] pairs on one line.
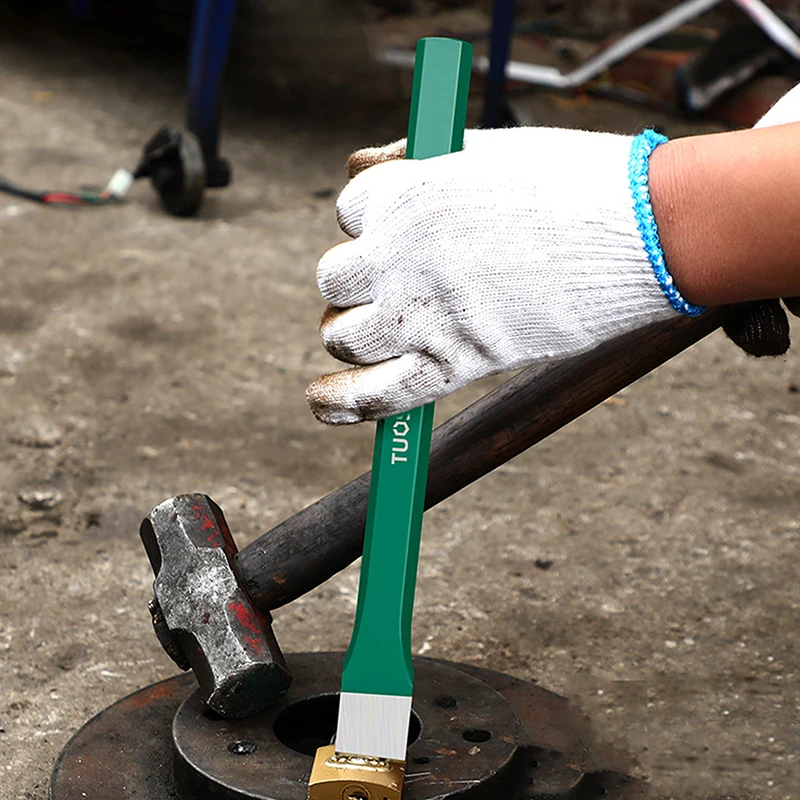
[[117, 188]]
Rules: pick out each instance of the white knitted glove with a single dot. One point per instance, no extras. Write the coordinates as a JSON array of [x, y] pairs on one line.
[[519, 249]]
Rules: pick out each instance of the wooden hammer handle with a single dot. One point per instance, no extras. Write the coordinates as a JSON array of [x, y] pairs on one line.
[[324, 538]]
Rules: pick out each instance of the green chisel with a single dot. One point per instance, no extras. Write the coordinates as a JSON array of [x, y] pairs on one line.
[[378, 677]]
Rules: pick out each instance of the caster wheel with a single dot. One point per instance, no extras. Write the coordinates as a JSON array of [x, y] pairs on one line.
[[173, 160]]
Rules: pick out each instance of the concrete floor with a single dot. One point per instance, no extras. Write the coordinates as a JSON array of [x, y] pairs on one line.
[[141, 356]]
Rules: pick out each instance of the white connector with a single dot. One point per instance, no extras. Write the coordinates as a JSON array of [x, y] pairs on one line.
[[120, 184]]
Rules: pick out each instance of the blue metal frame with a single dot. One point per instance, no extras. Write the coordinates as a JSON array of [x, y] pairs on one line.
[[212, 30], [495, 109]]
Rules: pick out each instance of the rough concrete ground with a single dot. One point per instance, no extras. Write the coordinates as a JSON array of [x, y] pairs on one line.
[[141, 356]]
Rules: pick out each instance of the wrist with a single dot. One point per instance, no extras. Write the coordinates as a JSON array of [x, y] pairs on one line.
[[671, 166], [639, 177]]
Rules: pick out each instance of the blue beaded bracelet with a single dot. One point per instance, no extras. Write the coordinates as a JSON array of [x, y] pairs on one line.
[[638, 174]]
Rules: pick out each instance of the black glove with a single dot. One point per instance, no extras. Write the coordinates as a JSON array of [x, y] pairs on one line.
[[761, 328]]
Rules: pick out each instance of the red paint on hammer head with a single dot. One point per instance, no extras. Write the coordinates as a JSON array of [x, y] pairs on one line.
[[219, 535], [244, 615], [216, 537], [208, 523], [248, 619]]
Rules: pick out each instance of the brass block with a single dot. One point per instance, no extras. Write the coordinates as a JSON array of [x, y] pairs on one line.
[[338, 776]]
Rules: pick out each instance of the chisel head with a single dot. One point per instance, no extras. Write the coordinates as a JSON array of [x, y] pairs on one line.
[[338, 776]]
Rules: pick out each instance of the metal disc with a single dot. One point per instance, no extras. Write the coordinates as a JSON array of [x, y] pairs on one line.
[[476, 734], [467, 737], [124, 752]]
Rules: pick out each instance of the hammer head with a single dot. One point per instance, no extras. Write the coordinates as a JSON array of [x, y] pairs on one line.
[[202, 613]]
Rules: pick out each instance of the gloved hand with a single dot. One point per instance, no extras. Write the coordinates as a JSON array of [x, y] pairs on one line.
[[521, 248]]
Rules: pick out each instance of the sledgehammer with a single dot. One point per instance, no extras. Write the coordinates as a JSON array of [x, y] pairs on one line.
[[212, 603]]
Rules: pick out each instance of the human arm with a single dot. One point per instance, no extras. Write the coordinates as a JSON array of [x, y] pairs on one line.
[[728, 213]]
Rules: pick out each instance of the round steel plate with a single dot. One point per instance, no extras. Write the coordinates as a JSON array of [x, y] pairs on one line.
[[476, 734]]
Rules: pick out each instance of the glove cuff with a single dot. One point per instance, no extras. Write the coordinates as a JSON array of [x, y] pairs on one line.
[[638, 177]]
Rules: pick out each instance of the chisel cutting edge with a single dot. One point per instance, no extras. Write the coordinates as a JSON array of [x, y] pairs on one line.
[[367, 761]]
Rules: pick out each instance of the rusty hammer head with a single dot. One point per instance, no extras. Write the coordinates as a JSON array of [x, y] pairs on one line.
[[202, 615]]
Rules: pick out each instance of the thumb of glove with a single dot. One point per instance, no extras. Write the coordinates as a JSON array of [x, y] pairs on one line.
[[370, 156], [396, 151]]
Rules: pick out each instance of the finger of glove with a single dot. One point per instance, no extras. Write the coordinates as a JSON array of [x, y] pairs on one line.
[[760, 328], [371, 191], [366, 334], [345, 274], [373, 392], [350, 207]]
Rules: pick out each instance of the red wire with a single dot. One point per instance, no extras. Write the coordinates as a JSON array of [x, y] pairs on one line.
[[62, 197]]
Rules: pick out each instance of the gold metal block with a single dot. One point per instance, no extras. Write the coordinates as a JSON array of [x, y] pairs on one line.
[[338, 776]]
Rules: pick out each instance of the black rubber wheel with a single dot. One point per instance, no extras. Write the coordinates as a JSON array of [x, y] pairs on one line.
[[181, 181]]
